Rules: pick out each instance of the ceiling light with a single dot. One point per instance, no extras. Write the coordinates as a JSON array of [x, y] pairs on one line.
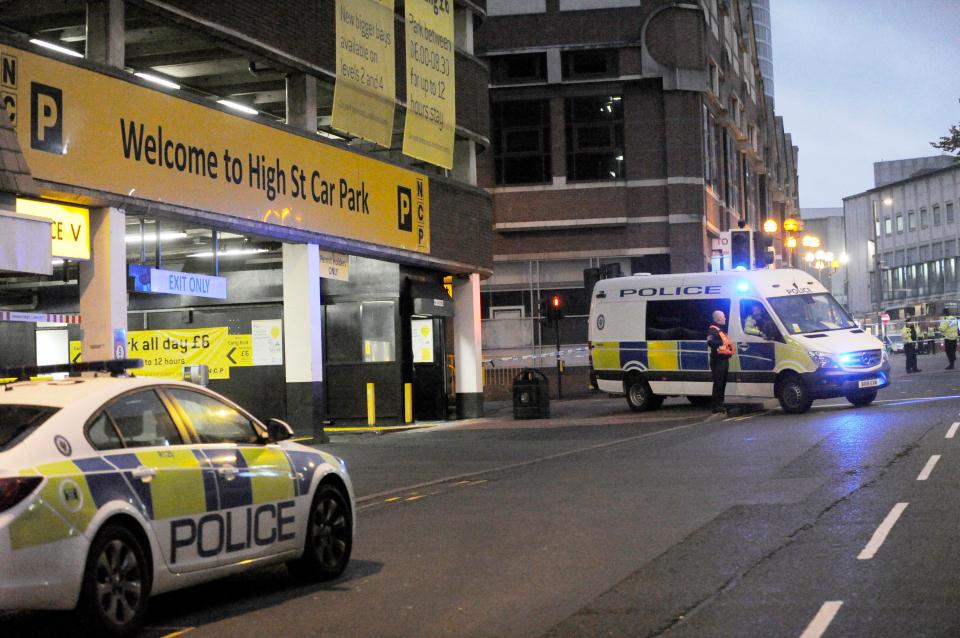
[[236, 252], [55, 47], [236, 106], [149, 237], [157, 80]]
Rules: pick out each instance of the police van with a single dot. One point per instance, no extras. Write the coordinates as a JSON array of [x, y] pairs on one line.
[[793, 340]]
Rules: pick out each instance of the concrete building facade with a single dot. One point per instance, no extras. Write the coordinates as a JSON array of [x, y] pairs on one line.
[[626, 135], [903, 238], [196, 139]]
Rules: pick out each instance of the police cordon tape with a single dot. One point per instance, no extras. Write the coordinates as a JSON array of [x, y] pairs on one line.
[[525, 357]]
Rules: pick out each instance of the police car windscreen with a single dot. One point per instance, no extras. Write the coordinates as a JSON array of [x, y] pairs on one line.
[[17, 421], [811, 313]]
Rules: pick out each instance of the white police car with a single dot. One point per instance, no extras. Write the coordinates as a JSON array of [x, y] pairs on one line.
[[115, 488]]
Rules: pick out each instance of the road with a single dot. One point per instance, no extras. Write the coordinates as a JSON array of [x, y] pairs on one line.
[[839, 522]]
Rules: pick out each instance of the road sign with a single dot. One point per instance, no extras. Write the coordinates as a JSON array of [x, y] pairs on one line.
[[884, 317]]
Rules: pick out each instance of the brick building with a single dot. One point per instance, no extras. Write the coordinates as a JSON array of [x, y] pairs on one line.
[[625, 134]]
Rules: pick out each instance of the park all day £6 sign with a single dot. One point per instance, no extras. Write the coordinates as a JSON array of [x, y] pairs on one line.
[[88, 129]]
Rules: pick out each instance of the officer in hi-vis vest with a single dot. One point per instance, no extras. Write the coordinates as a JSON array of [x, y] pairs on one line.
[[909, 334], [721, 349], [948, 327]]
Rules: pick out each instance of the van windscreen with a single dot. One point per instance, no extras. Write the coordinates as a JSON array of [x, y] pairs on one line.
[[818, 312]]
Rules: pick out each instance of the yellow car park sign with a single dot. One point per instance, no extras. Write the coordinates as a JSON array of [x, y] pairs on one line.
[[156, 146], [69, 227]]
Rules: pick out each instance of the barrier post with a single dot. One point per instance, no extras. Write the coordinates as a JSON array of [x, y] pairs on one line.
[[371, 404], [408, 403]]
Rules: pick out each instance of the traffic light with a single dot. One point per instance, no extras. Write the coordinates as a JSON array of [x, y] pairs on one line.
[[555, 308], [544, 311], [763, 249], [741, 250]]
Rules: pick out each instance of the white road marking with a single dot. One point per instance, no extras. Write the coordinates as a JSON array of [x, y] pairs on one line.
[[925, 472], [822, 620], [952, 432], [881, 534]]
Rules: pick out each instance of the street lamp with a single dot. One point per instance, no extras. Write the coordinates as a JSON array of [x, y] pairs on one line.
[[819, 255], [791, 225], [791, 242], [810, 241], [844, 259], [770, 226], [808, 257]]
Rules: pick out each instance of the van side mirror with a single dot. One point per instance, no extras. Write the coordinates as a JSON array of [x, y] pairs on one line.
[[279, 430]]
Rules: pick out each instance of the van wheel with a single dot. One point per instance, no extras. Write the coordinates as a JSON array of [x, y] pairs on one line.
[[861, 398], [116, 582], [793, 395], [699, 401], [639, 396]]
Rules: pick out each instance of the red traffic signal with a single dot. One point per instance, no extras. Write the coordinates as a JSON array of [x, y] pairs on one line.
[[555, 301], [555, 308]]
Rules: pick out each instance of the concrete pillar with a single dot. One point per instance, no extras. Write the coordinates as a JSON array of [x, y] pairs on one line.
[[465, 161], [302, 101], [467, 346], [105, 32], [103, 287], [303, 340]]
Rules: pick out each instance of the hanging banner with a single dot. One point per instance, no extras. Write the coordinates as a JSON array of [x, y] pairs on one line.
[[365, 93], [157, 146], [431, 97]]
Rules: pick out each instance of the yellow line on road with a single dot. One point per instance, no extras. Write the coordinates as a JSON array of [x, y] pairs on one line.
[[179, 632], [391, 499]]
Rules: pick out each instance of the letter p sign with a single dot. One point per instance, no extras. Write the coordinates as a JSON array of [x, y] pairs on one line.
[[46, 118]]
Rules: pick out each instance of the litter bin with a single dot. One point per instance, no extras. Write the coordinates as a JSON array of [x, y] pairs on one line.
[[531, 395]]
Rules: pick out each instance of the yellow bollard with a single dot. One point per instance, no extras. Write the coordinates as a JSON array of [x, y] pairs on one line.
[[408, 403], [371, 405]]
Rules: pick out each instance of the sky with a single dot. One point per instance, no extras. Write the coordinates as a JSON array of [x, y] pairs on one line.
[[860, 81]]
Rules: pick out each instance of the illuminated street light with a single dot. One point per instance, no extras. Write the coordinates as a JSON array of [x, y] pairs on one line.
[[791, 225], [828, 256], [888, 201], [810, 241], [835, 263], [808, 257], [819, 255], [770, 226], [844, 259], [791, 242]]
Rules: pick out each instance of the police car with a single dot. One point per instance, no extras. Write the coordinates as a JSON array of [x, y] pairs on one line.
[[114, 488]]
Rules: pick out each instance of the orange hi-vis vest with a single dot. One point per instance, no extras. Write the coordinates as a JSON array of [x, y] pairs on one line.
[[726, 348]]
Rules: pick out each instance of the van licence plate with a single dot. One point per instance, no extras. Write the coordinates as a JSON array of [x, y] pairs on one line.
[[869, 383]]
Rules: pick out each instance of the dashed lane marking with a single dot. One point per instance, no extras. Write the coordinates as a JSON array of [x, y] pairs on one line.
[[925, 472], [415, 498], [880, 535], [179, 632], [392, 499], [822, 620], [952, 432]]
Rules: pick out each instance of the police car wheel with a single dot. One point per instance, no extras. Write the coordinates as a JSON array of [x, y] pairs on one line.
[[639, 396], [116, 582], [793, 395], [862, 398], [329, 537]]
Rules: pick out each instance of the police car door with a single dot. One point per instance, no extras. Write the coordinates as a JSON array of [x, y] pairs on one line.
[[257, 513], [756, 351], [138, 437]]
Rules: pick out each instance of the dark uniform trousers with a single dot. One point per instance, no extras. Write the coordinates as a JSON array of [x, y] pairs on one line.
[[950, 345], [910, 350], [719, 366]]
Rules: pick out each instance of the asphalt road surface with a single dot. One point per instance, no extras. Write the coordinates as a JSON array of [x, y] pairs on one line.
[[840, 522]]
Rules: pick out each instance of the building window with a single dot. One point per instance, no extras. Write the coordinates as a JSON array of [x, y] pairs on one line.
[[924, 253], [594, 137], [887, 225], [899, 222], [911, 220], [950, 248], [936, 215], [521, 142], [949, 212], [518, 69], [710, 157], [924, 218], [589, 63], [911, 256]]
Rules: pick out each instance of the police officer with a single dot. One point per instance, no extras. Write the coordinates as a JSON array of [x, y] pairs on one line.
[[721, 349], [752, 326], [909, 334], [948, 327]]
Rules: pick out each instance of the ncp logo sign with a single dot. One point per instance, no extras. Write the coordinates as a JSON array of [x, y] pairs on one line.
[[407, 213], [46, 118], [404, 208]]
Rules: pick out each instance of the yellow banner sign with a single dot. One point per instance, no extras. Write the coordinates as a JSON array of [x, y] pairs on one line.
[[166, 352], [365, 94], [431, 98], [69, 227], [87, 129]]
